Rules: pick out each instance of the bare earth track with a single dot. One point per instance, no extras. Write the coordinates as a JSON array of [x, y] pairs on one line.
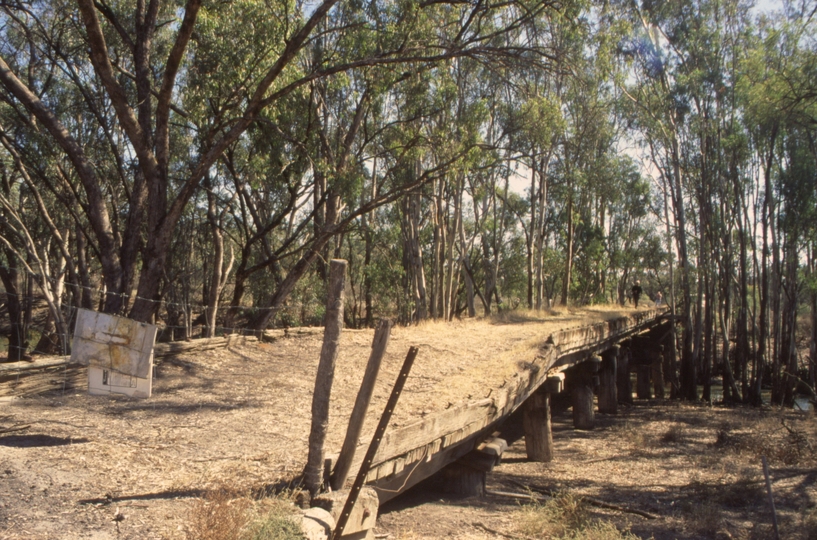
[[104, 468]]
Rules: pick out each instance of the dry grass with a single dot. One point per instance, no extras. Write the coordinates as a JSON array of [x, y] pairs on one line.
[[565, 517], [675, 434], [226, 515], [781, 442], [220, 515]]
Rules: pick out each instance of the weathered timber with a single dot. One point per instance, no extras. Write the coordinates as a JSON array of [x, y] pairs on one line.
[[643, 390], [313, 472], [624, 385], [374, 445], [538, 433], [554, 383], [364, 397], [608, 392], [416, 451], [363, 516], [486, 455], [161, 350], [40, 376], [581, 394], [657, 369]]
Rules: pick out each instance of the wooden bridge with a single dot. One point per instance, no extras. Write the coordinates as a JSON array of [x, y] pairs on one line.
[[583, 358], [460, 439]]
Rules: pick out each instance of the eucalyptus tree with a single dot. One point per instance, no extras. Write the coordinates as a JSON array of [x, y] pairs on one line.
[[165, 89], [660, 105]]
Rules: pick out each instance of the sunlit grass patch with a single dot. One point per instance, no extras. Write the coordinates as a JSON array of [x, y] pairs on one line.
[[564, 517], [225, 514]]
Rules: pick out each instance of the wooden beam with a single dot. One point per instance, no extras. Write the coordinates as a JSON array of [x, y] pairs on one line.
[[364, 397]]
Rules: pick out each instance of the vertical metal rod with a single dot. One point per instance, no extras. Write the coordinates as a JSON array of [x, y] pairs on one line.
[[375, 444]]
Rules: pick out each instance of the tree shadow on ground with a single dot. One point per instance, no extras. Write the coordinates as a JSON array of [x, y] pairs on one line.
[[33, 441]]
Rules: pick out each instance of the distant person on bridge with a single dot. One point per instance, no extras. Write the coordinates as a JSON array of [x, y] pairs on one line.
[[659, 299], [636, 292]]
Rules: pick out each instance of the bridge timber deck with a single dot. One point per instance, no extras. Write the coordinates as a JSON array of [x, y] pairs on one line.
[[412, 453]]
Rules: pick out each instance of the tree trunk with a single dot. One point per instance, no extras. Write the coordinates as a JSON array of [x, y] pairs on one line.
[[568, 252]]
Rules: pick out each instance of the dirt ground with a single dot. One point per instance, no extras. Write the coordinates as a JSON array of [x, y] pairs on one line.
[[696, 469], [80, 466]]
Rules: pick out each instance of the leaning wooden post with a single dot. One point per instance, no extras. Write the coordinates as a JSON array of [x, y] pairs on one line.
[[364, 397], [608, 394], [313, 473], [368, 459]]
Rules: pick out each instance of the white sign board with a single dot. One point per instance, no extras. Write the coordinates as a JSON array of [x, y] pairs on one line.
[[118, 351]]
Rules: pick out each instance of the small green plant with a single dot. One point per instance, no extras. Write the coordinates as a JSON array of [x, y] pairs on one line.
[[276, 524]]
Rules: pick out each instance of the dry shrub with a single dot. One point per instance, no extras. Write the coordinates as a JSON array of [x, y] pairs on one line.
[[636, 437], [224, 514], [555, 517], [564, 517], [788, 446], [675, 434], [220, 515]]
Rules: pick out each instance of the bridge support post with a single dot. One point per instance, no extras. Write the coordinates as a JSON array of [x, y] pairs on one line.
[[581, 392], [625, 389], [643, 389], [461, 479], [538, 432], [658, 373], [608, 394], [467, 475]]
